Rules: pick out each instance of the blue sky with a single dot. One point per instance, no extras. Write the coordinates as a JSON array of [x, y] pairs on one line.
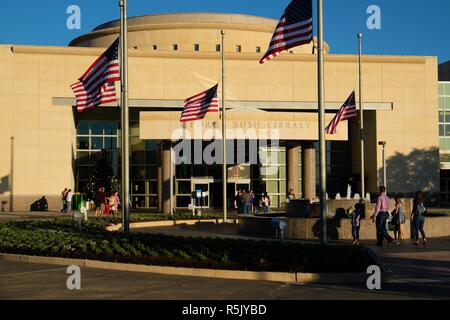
[[407, 27]]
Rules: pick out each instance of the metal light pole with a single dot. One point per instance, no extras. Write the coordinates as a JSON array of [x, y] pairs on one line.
[[125, 116], [322, 143], [383, 144], [224, 130], [361, 117]]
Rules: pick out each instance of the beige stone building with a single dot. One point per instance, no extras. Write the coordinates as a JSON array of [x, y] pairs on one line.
[[46, 146]]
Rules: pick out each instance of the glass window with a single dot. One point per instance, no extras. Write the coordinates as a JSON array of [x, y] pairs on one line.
[[441, 116], [447, 130], [196, 47], [137, 144], [441, 130], [110, 128], [283, 187], [97, 128], [97, 143], [238, 48], [441, 105], [110, 143], [83, 127], [258, 49], [151, 172], [138, 157], [447, 103], [183, 201], [138, 187], [175, 47], [217, 47], [441, 89], [83, 143], [152, 187], [275, 201], [447, 143], [272, 186], [183, 171], [184, 187], [447, 117], [82, 157], [152, 202], [138, 202], [138, 173], [155, 47], [442, 143]]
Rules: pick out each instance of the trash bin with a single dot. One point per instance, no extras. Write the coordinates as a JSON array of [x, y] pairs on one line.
[[77, 201]]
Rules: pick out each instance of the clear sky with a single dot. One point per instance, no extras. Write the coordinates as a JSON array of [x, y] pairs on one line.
[[407, 27]]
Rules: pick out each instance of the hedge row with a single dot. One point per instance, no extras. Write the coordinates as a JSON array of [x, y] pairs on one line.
[[61, 238]]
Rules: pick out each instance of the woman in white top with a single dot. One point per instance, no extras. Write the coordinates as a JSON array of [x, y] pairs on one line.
[[265, 202]]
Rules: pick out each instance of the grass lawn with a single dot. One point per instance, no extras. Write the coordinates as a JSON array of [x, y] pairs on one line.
[[60, 237]]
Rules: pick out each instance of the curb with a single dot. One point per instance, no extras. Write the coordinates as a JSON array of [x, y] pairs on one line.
[[168, 223], [285, 277]]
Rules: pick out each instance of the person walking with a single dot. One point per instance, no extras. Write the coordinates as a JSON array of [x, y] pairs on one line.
[[356, 225], [265, 200], [399, 219], [246, 199], [380, 216], [97, 202], [63, 200], [418, 217], [69, 197], [253, 203], [239, 202]]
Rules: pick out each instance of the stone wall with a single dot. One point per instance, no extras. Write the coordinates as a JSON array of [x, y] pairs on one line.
[[337, 229]]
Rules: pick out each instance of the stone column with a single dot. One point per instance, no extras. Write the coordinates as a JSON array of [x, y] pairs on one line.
[[159, 177], [166, 163], [292, 169], [309, 170]]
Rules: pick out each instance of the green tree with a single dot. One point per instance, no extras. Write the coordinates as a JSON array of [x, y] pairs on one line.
[[102, 175]]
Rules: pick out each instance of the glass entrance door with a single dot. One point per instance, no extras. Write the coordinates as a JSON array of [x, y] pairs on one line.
[[201, 195]]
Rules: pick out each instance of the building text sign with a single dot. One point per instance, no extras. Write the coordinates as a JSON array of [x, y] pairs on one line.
[[240, 125]]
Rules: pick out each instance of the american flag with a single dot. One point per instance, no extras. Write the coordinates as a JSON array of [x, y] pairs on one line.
[[295, 28], [347, 112], [196, 107], [96, 85]]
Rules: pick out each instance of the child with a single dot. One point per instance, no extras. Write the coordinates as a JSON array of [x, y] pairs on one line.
[[356, 225], [399, 219]]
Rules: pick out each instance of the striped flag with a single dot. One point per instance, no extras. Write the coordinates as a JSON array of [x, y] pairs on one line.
[[295, 28], [347, 112], [196, 107], [96, 85]]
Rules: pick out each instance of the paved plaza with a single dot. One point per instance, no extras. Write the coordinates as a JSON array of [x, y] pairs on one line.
[[419, 274]]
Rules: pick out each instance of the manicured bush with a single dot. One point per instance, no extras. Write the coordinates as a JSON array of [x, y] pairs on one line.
[[61, 238]]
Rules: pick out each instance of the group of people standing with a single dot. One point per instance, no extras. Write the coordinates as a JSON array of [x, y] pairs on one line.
[[382, 218], [246, 202], [66, 199], [106, 203]]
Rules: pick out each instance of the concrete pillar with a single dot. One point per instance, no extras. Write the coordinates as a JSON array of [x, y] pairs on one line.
[[292, 169], [309, 171], [159, 177], [166, 163]]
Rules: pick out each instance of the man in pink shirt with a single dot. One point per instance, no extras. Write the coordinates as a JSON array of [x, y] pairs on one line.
[[381, 215]]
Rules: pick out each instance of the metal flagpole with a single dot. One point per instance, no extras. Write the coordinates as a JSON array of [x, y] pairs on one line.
[[322, 143], [361, 117], [124, 120], [224, 129]]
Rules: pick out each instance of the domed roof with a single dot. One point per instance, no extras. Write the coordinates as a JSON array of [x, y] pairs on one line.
[[147, 31]]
